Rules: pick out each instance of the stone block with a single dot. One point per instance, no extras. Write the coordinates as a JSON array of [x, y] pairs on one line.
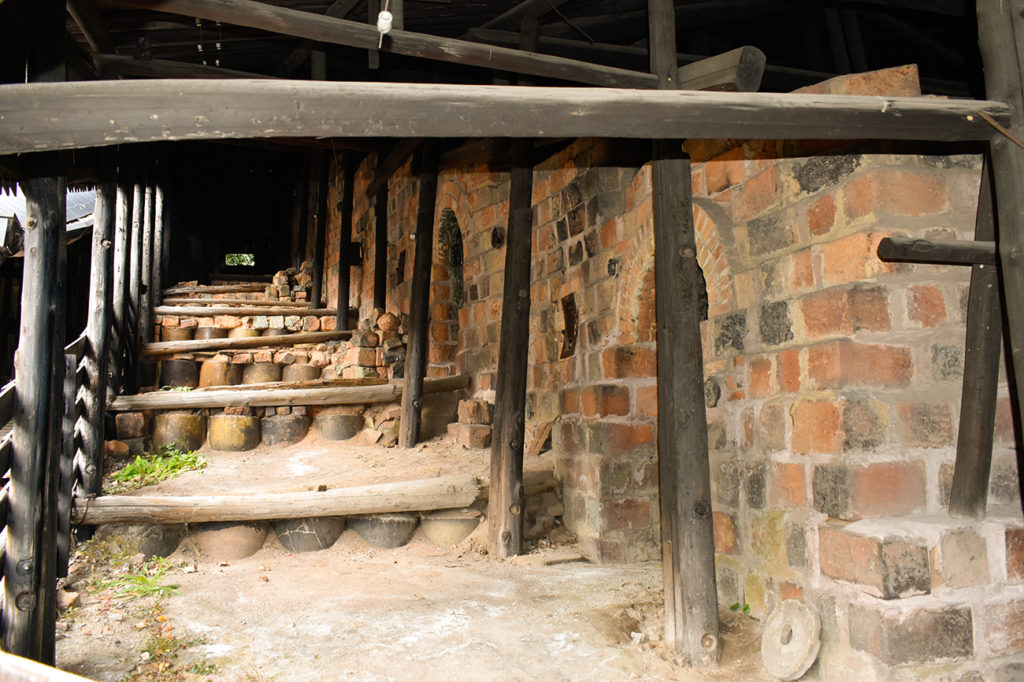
[[1015, 553], [925, 634], [890, 568], [475, 412], [725, 533], [470, 435], [963, 559], [130, 425], [1004, 626]]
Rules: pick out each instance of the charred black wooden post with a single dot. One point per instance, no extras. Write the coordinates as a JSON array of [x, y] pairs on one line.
[[122, 275], [65, 474], [159, 227], [506, 509], [131, 339], [101, 279], [146, 282], [300, 205], [320, 174], [380, 248], [419, 317], [345, 241], [1000, 35], [688, 548], [24, 613]]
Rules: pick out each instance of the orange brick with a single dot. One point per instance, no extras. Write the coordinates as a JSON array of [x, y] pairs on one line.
[[725, 533], [859, 197], [803, 270], [925, 305], [853, 258], [846, 363], [610, 438], [647, 401], [789, 370], [912, 193], [605, 400], [886, 489], [822, 215], [926, 425], [571, 400], [815, 427], [629, 361], [759, 192], [846, 310], [789, 484], [760, 377]]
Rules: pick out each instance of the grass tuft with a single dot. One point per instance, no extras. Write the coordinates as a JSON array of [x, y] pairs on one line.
[[153, 468]]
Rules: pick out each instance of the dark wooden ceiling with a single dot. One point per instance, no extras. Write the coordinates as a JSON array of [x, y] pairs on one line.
[[804, 40]]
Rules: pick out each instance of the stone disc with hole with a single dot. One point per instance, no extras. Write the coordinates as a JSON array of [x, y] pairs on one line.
[[309, 535], [234, 432], [261, 372], [219, 373], [203, 333], [790, 640], [384, 531], [339, 426], [183, 430], [224, 541], [300, 372], [179, 373], [284, 429]]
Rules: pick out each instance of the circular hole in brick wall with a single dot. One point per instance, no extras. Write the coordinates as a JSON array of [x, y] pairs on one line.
[[498, 237]]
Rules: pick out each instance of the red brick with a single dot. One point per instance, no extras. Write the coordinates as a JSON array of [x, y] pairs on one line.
[[363, 357], [1015, 553], [853, 258], [759, 193], [889, 568], [917, 635], [887, 489], [846, 310], [911, 193], [788, 590], [760, 377], [815, 427], [789, 370], [859, 196], [609, 438], [605, 400], [470, 435], [629, 361], [115, 449], [1005, 627], [925, 305], [846, 363], [130, 425], [789, 484], [822, 215], [647, 401], [571, 401], [328, 323], [474, 412], [803, 270], [725, 533], [925, 425], [627, 514]]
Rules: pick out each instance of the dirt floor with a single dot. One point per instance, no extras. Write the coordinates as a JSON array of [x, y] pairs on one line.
[[352, 611]]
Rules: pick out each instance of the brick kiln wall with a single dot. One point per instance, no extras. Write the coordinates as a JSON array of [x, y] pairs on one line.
[[832, 378]]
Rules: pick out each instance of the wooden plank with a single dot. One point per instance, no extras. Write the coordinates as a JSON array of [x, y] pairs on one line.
[[239, 287], [737, 70], [356, 34], [444, 492], [116, 66], [333, 395], [512, 17], [691, 596], [419, 310], [936, 251], [1000, 39], [201, 311], [397, 157], [969, 492], [338, 9], [172, 347], [209, 300], [345, 255], [49, 116], [6, 403], [6, 447], [506, 504]]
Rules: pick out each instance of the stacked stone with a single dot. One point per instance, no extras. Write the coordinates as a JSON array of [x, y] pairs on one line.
[[375, 350], [473, 429], [291, 284]]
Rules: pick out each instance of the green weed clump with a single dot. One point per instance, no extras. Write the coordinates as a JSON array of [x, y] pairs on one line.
[[153, 468], [145, 581]]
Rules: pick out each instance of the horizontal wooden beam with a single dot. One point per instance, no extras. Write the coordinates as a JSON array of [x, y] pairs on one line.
[[329, 395], [355, 34], [172, 347], [444, 492], [200, 311], [112, 66], [338, 9], [738, 70], [50, 116], [207, 300], [937, 252], [527, 9], [238, 287]]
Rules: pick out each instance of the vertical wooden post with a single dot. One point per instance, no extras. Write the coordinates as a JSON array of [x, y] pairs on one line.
[[146, 263], [1000, 36], [969, 494], [416, 354], [344, 241], [380, 249], [122, 275], [373, 55], [506, 509], [159, 228], [35, 424], [322, 174], [101, 293], [300, 204], [691, 598], [131, 338]]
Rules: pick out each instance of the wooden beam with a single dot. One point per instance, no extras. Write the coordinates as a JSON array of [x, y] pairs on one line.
[[338, 9], [968, 495], [419, 306], [321, 172], [506, 504], [687, 534], [938, 252], [349, 165], [737, 70], [355, 34], [122, 275], [535, 9], [201, 311], [239, 287], [87, 17], [115, 66], [293, 306], [1000, 36], [395, 159], [53, 116], [172, 347], [263, 397], [445, 492]]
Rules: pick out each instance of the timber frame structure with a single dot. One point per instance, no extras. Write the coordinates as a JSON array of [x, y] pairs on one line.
[[105, 121]]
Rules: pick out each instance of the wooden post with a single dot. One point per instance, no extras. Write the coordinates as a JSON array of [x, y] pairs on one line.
[[416, 354], [688, 549], [146, 281], [1000, 34], [159, 227], [380, 248], [300, 205], [320, 174], [131, 339], [25, 616], [101, 293], [344, 241], [122, 275], [506, 510]]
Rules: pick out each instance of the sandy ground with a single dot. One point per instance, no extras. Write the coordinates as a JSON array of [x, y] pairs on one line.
[[354, 612]]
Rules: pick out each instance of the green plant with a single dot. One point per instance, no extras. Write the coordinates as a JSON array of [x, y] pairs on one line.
[[203, 668], [151, 469], [145, 581], [736, 607]]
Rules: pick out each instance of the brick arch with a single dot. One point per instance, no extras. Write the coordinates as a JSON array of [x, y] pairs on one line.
[[635, 304]]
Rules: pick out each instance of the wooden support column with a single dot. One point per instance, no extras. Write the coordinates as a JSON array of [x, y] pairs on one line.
[[122, 275], [300, 206], [159, 234], [416, 354], [145, 326], [345, 241], [131, 339], [101, 279], [35, 424], [506, 506], [320, 174], [380, 248], [688, 548], [1001, 42]]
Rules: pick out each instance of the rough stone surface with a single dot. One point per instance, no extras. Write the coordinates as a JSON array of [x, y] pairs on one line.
[[926, 634], [228, 541], [308, 535]]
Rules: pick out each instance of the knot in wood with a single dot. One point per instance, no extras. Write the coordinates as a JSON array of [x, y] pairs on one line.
[[25, 601], [25, 566], [700, 510]]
